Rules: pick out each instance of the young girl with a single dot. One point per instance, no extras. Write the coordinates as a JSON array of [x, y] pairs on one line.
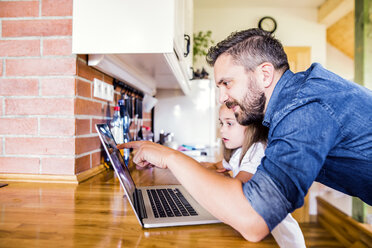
[[244, 147]]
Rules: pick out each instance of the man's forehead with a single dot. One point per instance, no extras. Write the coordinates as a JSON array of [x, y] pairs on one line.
[[221, 68]]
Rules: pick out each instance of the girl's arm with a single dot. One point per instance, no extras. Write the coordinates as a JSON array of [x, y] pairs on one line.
[[211, 165], [218, 166], [244, 176]]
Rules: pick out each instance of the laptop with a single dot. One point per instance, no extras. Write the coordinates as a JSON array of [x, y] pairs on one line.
[[154, 206]]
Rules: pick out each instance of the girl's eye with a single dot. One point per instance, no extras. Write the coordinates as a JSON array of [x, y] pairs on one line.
[[230, 123], [225, 83]]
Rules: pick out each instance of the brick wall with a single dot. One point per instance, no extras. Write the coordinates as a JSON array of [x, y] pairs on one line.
[[47, 108]]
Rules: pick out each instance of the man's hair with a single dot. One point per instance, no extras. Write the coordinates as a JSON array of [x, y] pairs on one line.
[[251, 48]]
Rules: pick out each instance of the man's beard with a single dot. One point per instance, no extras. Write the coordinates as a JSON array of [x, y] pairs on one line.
[[251, 109]]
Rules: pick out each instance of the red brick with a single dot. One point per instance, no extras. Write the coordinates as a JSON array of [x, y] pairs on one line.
[[1, 107], [19, 165], [40, 146], [1, 67], [116, 97], [14, 48], [57, 126], [97, 121], [147, 115], [147, 123], [108, 110], [82, 164], [57, 47], [1, 148], [87, 144], [83, 88], [109, 80], [96, 158], [19, 87], [56, 8], [58, 166], [41, 67], [57, 86], [19, 9], [86, 107], [82, 126], [132, 131], [49, 27], [18, 126], [88, 72], [39, 106]]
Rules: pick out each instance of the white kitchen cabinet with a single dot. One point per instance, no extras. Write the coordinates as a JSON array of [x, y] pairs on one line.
[[138, 41]]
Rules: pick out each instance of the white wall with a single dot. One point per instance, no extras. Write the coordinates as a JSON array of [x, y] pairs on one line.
[[191, 118], [296, 26], [339, 63]]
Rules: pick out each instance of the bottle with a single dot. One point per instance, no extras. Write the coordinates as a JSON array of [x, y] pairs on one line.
[[125, 128], [147, 134], [116, 126]]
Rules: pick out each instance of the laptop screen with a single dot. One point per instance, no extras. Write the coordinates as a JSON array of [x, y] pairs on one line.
[[116, 159]]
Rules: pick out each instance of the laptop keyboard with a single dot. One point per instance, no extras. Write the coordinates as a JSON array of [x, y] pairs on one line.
[[169, 203]]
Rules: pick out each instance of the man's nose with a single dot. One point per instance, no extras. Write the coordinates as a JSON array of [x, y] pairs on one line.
[[222, 95]]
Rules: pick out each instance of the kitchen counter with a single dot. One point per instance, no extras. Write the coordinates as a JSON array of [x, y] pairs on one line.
[[95, 214]]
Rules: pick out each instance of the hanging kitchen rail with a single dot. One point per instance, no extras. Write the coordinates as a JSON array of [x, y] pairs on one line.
[[125, 88]]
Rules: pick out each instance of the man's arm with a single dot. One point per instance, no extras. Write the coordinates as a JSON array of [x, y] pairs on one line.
[[221, 196]]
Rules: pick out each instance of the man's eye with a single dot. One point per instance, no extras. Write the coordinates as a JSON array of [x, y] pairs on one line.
[[225, 83]]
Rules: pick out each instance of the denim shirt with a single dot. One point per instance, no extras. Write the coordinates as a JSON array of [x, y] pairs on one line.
[[320, 130]]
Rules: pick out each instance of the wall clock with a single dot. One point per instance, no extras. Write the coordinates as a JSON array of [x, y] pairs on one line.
[[267, 23]]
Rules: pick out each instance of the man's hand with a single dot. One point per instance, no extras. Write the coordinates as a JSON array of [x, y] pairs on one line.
[[149, 153]]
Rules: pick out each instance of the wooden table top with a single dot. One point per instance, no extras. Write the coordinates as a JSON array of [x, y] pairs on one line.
[[95, 214]]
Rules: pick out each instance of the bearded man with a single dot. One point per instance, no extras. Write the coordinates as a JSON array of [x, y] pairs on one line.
[[320, 129]]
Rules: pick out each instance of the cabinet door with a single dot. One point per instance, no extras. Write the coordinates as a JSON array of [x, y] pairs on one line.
[[179, 27], [184, 26], [299, 58], [123, 26]]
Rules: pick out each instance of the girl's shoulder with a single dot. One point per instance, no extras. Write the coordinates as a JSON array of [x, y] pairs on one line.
[[256, 151], [257, 147]]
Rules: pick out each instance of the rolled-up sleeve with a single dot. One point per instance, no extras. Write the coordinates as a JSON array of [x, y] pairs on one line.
[[265, 197], [297, 148]]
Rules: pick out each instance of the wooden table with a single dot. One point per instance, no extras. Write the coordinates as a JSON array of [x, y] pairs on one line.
[[95, 214]]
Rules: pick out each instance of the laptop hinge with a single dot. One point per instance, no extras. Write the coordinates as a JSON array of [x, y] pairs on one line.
[[139, 204]]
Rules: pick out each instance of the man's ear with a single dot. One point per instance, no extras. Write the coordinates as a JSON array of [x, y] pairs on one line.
[[267, 74]]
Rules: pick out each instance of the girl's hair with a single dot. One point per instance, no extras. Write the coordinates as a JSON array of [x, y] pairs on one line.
[[254, 133]]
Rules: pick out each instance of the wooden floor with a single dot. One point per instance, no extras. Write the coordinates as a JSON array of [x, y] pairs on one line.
[[95, 214]]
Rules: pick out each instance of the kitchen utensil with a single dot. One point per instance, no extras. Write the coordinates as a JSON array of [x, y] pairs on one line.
[[140, 119], [136, 113]]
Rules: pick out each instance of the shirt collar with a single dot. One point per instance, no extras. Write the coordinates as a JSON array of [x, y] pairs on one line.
[[287, 75]]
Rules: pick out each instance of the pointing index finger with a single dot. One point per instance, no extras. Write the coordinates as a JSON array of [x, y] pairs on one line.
[[132, 144]]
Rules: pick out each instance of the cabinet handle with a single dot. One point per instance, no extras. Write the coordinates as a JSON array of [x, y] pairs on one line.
[[187, 39]]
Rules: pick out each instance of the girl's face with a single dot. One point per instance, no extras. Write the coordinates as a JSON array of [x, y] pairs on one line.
[[232, 132]]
